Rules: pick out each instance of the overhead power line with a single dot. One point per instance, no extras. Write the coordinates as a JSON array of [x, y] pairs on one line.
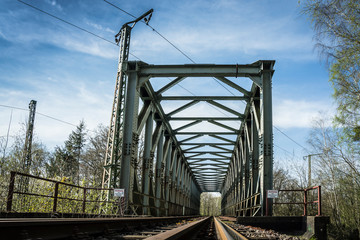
[[291, 138], [93, 34], [167, 40], [178, 49], [104, 39], [42, 114], [72, 24]]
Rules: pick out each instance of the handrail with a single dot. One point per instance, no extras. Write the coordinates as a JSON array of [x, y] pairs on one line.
[[55, 192], [305, 202]]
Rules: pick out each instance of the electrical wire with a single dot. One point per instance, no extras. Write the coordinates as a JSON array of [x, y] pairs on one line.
[[152, 28], [167, 40], [286, 151], [291, 139], [42, 114], [87, 31], [72, 24]]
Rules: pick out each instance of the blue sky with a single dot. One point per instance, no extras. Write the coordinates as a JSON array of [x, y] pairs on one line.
[[72, 74]]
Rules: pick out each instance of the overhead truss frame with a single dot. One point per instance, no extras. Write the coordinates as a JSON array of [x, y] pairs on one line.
[[182, 170]]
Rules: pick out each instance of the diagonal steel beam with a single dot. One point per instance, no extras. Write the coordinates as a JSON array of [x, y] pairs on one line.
[[169, 85], [190, 138], [222, 125], [222, 148], [216, 104], [192, 148], [188, 125], [221, 138], [183, 107], [234, 85]]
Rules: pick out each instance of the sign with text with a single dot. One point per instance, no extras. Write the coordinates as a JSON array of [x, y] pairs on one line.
[[119, 192], [272, 193]]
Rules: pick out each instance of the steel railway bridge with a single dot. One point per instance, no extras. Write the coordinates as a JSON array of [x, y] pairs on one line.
[[166, 147]]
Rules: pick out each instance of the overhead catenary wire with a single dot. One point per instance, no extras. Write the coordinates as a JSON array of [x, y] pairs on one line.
[[167, 40], [173, 45], [73, 25], [42, 114], [93, 34], [104, 39], [291, 139], [89, 32], [283, 149]]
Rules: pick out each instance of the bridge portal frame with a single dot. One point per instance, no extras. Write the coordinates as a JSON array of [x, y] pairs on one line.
[[174, 189]]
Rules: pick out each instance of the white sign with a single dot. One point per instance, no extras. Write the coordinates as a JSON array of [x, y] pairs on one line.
[[272, 193], [119, 192]]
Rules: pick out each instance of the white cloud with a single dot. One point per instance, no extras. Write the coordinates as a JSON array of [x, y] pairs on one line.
[[60, 35], [54, 4], [2, 35], [99, 26], [92, 47], [298, 113], [219, 29]]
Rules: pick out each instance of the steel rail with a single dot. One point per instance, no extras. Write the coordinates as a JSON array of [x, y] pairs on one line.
[[60, 228], [223, 231], [182, 232]]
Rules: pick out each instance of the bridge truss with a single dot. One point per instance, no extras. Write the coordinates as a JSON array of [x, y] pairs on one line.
[[174, 144]]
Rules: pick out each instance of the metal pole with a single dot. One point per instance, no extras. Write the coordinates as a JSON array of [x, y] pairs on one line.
[[309, 168], [29, 136], [305, 202], [115, 144], [84, 201], [56, 192], [319, 201], [11, 191]]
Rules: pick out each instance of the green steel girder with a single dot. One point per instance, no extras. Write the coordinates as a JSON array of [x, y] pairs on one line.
[[181, 173]]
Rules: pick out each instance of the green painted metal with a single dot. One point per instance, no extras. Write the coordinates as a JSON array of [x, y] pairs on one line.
[[235, 159]]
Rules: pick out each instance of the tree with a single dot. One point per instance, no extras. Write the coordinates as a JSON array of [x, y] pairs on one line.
[[284, 181], [65, 162], [92, 164], [337, 32], [338, 172], [210, 204]]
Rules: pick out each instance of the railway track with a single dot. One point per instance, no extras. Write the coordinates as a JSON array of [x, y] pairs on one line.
[[152, 228]]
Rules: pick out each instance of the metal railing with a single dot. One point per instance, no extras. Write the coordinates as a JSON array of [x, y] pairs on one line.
[[42, 195], [305, 201], [46, 195]]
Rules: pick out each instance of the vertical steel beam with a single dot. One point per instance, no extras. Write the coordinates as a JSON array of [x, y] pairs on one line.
[[175, 182], [255, 153], [158, 172], [147, 164], [131, 105], [167, 176], [267, 134]]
